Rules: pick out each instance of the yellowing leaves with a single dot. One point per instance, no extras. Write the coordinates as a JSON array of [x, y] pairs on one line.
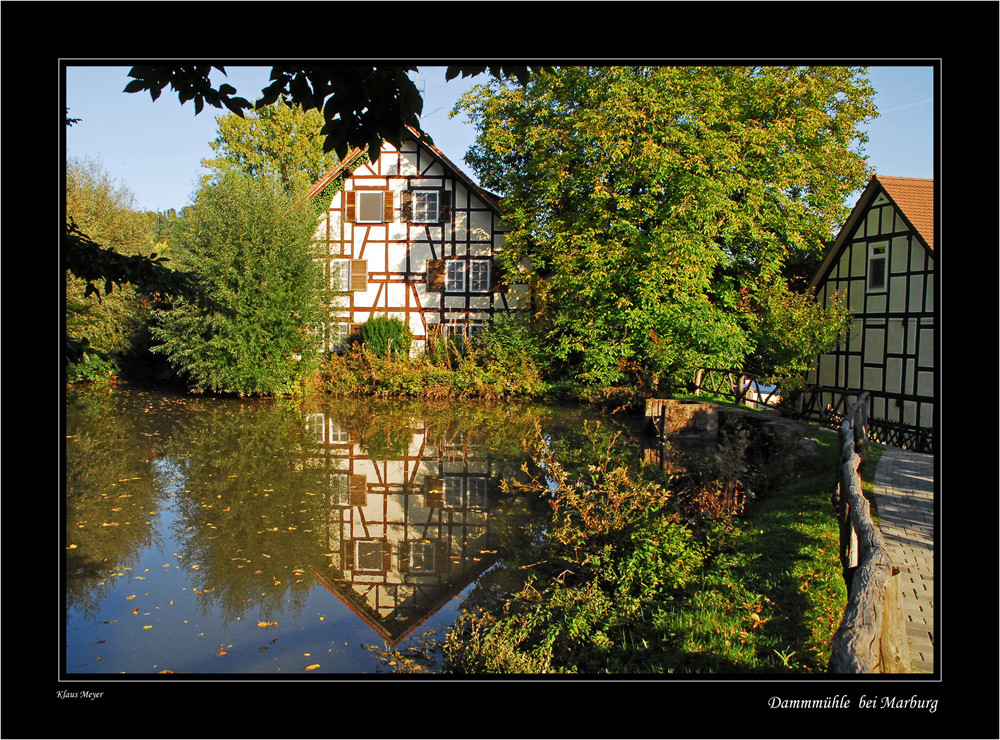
[[267, 624], [312, 667]]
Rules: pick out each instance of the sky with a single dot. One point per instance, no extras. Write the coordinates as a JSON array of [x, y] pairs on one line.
[[155, 149]]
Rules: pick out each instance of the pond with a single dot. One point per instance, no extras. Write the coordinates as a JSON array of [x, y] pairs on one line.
[[224, 536]]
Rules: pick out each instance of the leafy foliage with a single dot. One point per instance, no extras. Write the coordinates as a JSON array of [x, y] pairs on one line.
[[655, 204], [627, 579], [247, 241], [277, 140], [99, 326], [361, 105], [386, 335]]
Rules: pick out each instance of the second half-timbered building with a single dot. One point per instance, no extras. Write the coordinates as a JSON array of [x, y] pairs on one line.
[[410, 236], [882, 265]]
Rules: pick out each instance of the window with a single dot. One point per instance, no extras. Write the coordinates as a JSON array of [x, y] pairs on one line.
[[368, 555], [453, 492], [477, 493], [348, 275], [454, 333], [314, 428], [455, 277], [338, 435], [422, 557], [339, 333], [340, 276], [476, 329], [479, 276], [369, 206], [339, 491], [877, 266], [425, 206]]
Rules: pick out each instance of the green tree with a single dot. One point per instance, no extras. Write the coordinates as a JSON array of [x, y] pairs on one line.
[[660, 208], [277, 140], [361, 105], [103, 329], [247, 241]]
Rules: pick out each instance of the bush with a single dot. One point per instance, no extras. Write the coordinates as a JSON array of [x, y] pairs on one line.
[[247, 241], [381, 335], [91, 368]]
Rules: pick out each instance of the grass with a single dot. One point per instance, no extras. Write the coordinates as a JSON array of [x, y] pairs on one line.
[[758, 593]]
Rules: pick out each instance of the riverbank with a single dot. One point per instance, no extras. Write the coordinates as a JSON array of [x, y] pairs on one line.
[[728, 570]]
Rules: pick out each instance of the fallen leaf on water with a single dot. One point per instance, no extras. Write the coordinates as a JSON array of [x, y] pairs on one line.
[[267, 624], [136, 610], [312, 667], [129, 598], [148, 627]]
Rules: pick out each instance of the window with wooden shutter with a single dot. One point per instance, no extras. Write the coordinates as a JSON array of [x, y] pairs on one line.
[[426, 206], [369, 206], [444, 206], [359, 490], [435, 275], [350, 206], [387, 207], [386, 555], [434, 491], [405, 206], [359, 275]]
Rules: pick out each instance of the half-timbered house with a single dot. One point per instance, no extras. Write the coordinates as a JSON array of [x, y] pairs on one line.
[[882, 265], [410, 236]]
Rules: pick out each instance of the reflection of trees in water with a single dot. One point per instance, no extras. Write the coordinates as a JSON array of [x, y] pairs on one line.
[[252, 496], [248, 514], [108, 498]]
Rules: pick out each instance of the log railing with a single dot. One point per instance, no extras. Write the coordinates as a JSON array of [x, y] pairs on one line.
[[871, 638], [732, 382]]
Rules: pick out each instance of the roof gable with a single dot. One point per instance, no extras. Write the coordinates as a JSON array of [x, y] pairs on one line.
[[912, 197], [492, 200]]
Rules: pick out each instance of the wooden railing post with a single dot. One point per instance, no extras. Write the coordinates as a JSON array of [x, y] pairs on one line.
[[871, 638]]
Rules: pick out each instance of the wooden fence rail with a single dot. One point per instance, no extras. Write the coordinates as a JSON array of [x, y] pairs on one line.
[[744, 388], [871, 637]]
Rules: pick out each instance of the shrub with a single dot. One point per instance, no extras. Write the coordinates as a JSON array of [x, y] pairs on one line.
[[247, 241], [381, 335]]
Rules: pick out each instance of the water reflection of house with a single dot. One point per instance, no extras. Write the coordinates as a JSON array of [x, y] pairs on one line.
[[407, 530]]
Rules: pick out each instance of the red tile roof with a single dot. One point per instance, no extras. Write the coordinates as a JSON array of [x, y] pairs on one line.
[[915, 198]]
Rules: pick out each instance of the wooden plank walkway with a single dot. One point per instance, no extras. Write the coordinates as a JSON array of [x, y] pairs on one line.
[[904, 496]]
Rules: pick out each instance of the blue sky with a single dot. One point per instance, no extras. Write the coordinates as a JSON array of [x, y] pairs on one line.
[[154, 149]]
